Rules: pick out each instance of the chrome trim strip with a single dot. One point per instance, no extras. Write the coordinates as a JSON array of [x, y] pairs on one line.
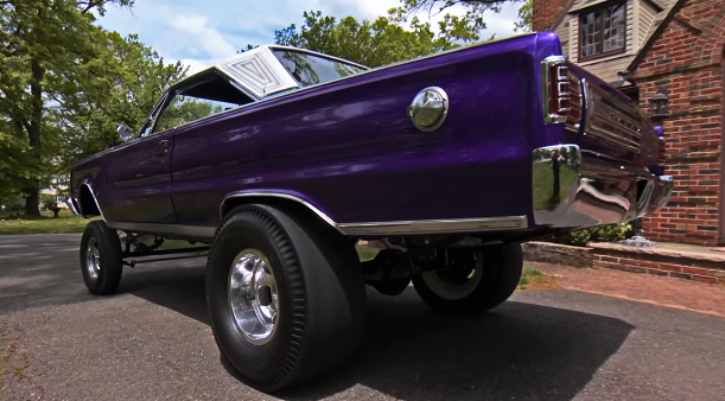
[[434, 226], [545, 67], [73, 205], [385, 228], [169, 229], [98, 206], [317, 211]]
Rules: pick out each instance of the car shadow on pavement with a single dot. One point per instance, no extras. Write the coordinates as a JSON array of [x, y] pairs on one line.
[[518, 351]]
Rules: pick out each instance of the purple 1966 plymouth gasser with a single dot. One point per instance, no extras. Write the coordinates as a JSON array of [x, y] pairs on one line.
[[282, 159]]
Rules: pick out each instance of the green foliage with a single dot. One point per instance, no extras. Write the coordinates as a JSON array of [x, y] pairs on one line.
[[528, 275], [605, 233], [374, 43], [474, 9], [366, 253], [133, 79], [526, 17], [14, 205], [65, 84]]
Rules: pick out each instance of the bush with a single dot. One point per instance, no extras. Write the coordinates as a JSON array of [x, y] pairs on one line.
[[607, 233], [14, 205]]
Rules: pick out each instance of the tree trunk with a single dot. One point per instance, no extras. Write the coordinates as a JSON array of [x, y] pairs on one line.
[[32, 203], [36, 92]]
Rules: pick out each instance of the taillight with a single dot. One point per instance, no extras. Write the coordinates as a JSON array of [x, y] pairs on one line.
[[561, 93]]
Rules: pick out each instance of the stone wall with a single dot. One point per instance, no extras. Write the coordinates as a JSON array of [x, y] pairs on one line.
[[660, 262]]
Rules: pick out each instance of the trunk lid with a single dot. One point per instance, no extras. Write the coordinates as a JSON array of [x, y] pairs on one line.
[[612, 125]]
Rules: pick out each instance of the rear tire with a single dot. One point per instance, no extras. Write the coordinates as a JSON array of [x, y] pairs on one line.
[[101, 258], [309, 316], [481, 281]]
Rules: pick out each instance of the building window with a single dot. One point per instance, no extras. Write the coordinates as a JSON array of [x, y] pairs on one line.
[[603, 31]]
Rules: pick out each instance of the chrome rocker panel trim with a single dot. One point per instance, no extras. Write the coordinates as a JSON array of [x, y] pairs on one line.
[[450, 226], [415, 227], [167, 229], [596, 195]]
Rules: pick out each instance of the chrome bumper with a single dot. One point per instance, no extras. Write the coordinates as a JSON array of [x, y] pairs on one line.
[[73, 205], [572, 190]]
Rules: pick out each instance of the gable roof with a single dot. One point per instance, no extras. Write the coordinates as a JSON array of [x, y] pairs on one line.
[[584, 4], [660, 23]]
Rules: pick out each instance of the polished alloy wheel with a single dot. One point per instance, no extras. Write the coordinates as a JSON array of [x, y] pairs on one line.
[[456, 283], [253, 296], [93, 259]]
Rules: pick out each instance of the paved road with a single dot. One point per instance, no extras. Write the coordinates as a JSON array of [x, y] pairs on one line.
[[152, 341]]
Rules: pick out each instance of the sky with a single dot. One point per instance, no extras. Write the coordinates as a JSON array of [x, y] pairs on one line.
[[200, 33]]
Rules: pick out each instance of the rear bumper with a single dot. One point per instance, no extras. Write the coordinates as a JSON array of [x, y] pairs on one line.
[[573, 189]]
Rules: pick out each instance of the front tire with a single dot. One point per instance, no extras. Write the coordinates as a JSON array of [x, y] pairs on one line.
[[101, 258], [285, 293], [477, 282]]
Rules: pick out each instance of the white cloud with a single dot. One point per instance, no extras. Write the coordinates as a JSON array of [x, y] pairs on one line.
[[200, 33], [208, 40]]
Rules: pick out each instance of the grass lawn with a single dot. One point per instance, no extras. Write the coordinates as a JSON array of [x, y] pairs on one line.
[[45, 224], [544, 177], [532, 278], [366, 253]]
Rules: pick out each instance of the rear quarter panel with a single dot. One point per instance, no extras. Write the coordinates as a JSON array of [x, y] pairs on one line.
[[349, 148]]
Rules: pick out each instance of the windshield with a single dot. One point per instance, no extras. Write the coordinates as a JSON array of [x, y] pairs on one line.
[[309, 69]]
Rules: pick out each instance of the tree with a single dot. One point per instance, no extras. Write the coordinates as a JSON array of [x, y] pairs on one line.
[[474, 12], [526, 17], [382, 41], [128, 80], [62, 81], [43, 43]]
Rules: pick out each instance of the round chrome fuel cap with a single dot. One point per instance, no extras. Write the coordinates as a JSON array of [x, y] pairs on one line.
[[429, 109]]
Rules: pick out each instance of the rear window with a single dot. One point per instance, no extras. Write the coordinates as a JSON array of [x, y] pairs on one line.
[[309, 69]]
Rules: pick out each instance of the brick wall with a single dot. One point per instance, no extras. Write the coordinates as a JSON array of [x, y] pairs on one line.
[[687, 59], [545, 13], [707, 271]]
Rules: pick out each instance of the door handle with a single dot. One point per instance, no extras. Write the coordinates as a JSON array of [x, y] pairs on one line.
[[164, 146]]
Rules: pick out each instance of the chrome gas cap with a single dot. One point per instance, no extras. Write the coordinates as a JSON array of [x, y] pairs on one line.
[[429, 109]]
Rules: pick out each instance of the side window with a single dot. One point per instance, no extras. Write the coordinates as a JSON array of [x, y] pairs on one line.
[[208, 96], [184, 109], [146, 128], [309, 69]]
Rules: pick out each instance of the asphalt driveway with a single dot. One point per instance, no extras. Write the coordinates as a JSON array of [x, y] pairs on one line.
[[152, 341]]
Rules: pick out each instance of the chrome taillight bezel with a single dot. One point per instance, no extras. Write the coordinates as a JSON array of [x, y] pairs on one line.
[[556, 90]]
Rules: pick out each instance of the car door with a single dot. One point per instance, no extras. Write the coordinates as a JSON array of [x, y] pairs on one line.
[[140, 175]]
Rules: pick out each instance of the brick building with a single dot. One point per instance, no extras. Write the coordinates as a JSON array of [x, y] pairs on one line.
[[674, 47]]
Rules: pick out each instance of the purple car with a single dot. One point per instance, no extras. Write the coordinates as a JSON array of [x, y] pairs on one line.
[[281, 160]]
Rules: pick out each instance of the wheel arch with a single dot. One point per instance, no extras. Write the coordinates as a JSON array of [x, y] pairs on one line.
[[88, 202], [291, 202]]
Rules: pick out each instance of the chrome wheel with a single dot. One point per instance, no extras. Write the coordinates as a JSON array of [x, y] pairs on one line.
[[456, 283], [93, 259], [253, 296]]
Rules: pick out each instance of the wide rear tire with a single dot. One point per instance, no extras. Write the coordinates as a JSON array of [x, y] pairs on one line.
[[302, 282], [476, 285], [101, 258]]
